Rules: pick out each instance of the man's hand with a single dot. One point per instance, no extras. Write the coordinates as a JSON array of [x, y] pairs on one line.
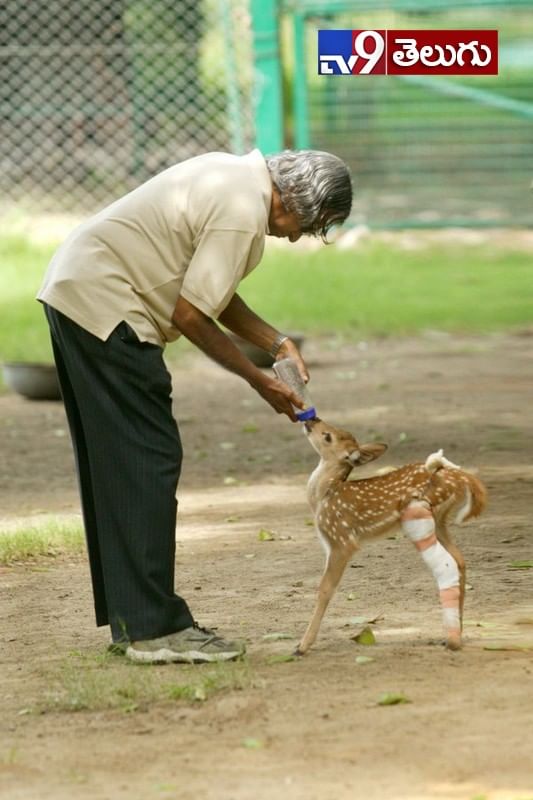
[[289, 350], [279, 396]]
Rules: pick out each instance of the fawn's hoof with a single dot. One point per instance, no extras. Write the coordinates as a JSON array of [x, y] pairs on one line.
[[299, 652], [453, 643]]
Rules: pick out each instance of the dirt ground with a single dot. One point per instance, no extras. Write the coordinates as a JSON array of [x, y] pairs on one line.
[[312, 728]]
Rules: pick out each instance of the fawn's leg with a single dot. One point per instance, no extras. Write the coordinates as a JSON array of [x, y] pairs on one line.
[[419, 525], [445, 539], [335, 565]]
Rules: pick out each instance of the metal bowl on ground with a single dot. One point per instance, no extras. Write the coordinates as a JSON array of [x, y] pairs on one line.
[[258, 356], [34, 381]]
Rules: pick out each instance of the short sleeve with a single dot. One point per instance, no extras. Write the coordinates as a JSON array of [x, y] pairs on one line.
[[219, 263]]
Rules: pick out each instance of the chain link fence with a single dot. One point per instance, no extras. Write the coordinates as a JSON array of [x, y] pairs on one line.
[[98, 95]]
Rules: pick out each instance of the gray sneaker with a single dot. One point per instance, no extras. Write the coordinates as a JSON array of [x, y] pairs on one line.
[[190, 646]]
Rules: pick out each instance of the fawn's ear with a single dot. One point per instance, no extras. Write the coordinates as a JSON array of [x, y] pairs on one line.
[[368, 452]]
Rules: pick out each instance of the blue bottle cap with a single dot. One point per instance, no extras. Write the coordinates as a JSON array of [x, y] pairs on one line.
[[308, 413]]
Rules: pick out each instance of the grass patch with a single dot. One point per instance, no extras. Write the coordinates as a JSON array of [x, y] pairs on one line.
[[24, 331], [101, 682], [376, 289], [41, 541]]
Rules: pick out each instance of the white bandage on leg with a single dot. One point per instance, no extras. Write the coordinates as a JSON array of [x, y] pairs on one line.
[[451, 619], [443, 566], [419, 528], [419, 525]]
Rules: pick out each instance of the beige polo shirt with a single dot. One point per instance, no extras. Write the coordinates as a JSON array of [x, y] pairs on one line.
[[196, 229]]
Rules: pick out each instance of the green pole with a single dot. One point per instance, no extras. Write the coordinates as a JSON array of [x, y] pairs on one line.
[[267, 77], [301, 117]]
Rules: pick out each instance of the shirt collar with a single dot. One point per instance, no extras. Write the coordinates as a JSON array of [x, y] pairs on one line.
[[258, 164]]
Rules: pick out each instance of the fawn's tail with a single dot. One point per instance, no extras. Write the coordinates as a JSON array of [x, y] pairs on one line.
[[475, 494], [478, 496]]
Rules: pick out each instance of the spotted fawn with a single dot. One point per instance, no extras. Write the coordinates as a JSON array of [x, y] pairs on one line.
[[420, 498]]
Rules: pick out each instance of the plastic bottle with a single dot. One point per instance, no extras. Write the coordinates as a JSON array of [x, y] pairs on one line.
[[287, 371]]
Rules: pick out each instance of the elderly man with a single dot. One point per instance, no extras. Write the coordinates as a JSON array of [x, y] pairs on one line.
[[164, 261]]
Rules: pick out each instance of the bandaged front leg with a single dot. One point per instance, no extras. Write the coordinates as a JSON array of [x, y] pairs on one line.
[[418, 523]]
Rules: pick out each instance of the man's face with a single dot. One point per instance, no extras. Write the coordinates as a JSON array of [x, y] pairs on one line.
[[283, 223]]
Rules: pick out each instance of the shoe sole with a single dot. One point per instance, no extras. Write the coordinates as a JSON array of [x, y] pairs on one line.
[[166, 656]]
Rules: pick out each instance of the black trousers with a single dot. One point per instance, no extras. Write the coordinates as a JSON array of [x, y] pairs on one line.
[[117, 397]]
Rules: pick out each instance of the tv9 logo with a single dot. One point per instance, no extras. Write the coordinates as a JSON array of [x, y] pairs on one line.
[[351, 52], [413, 52]]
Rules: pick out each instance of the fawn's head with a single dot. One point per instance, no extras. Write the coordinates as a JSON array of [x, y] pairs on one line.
[[337, 446]]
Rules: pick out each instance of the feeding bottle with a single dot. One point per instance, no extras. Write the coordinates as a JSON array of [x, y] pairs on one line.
[[287, 371]]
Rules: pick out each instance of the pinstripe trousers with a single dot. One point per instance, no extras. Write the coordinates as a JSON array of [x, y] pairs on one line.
[[117, 396]]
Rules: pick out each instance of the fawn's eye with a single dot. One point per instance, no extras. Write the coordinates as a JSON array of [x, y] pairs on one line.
[[327, 437]]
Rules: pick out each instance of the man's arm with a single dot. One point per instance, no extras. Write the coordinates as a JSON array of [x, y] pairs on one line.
[[239, 318], [205, 334]]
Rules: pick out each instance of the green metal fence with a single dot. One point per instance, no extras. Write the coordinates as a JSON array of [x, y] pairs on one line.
[[423, 150]]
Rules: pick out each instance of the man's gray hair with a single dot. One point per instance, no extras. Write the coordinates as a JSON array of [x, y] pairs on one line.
[[314, 185]]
